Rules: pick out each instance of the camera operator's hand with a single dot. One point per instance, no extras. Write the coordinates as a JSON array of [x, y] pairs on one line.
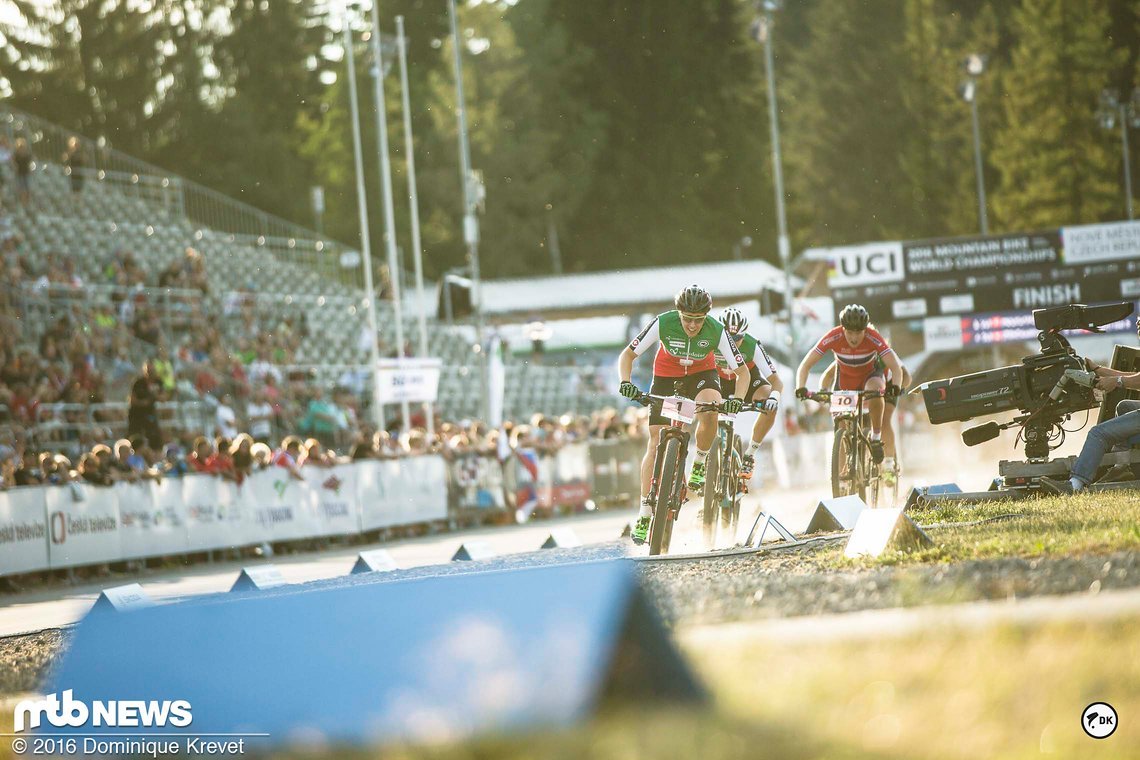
[[802, 393], [1109, 383], [628, 389], [1090, 366]]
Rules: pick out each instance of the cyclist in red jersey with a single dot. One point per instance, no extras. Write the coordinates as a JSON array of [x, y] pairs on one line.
[[890, 450], [862, 355]]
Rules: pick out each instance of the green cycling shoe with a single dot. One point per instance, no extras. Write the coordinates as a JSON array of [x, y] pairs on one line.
[[640, 530]]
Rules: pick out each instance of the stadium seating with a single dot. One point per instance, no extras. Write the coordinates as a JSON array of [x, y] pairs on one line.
[[144, 215]]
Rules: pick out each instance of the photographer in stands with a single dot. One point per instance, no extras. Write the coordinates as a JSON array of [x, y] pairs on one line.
[[1124, 428]]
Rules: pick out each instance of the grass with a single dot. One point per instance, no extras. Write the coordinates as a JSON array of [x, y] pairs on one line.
[[1010, 692], [1059, 526]]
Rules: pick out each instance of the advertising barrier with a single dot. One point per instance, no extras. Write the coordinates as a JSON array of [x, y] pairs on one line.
[[23, 532], [405, 491], [152, 519], [83, 525], [476, 483], [614, 469], [49, 527]]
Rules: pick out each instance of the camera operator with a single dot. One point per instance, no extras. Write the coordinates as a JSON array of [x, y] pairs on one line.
[[1121, 429]]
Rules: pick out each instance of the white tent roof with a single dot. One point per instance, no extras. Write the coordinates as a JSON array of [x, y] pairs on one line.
[[627, 290]]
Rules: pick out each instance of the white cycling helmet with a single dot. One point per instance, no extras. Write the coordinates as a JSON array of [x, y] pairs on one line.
[[734, 321]]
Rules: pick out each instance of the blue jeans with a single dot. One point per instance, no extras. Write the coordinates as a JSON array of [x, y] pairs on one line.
[[1124, 428]]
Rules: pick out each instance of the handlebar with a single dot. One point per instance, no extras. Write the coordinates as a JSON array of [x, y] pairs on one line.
[[825, 396], [648, 399]]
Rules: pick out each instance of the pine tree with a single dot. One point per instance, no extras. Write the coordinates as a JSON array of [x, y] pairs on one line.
[[1056, 164], [847, 125], [91, 65]]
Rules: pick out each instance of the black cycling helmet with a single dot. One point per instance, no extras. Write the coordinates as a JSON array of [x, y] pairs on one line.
[[734, 321], [693, 300], [854, 317]]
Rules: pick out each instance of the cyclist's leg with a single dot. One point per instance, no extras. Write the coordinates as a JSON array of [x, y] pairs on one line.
[[889, 428], [705, 389], [876, 382], [660, 386], [649, 458], [759, 391]]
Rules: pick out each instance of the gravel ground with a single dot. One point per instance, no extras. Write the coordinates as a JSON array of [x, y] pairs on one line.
[[787, 584], [780, 583], [25, 659]]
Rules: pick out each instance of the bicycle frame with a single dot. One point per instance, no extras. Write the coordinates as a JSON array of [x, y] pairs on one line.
[[858, 443], [672, 484]]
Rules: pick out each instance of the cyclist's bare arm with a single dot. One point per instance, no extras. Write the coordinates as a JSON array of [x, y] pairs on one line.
[[776, 383], [743, 381], [638, 346], [828, 378], [892, 361], [625, 364], [731, 353], [809, 361]]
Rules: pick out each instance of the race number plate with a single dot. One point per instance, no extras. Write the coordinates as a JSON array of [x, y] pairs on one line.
[[844, 403], [682, 410]]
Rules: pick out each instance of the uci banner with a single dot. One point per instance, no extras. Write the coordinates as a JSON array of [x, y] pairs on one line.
[[408, 379], [969, 275]]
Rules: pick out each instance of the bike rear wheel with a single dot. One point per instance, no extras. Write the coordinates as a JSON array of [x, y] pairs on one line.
[[730, 499], [668, 494]]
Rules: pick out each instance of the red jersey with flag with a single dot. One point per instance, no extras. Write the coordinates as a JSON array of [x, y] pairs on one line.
[[856, 363]]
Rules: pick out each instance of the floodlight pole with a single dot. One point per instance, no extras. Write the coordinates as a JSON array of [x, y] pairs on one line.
[[362, 210], [389, 212], [413, 202], [470, 218], [785, 247]]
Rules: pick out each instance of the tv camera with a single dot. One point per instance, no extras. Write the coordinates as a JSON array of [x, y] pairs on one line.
[[1047, 388]]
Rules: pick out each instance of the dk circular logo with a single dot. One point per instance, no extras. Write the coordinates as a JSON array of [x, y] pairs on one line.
[[1099, 720]]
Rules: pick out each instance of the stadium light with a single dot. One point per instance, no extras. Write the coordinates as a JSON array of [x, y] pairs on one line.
[[414, 207], [975, 66], [762, 32], [1112, 109], [362, 210], [473, 194], [379, 71]]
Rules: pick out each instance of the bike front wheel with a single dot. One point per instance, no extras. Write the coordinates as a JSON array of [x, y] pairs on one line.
[[711, 505], [842, 463], [668, 494]]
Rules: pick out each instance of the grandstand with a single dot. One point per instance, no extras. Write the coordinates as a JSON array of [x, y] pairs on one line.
[[136, 217]]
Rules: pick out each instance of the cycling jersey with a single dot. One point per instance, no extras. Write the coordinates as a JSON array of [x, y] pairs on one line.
[[748, 347], [678, 355], [856, 363]]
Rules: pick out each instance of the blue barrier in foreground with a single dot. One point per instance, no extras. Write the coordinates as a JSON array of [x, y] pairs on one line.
[[368, 661]]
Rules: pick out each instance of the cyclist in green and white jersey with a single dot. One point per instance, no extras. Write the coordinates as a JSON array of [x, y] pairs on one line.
[[686, 338], [763, 389]]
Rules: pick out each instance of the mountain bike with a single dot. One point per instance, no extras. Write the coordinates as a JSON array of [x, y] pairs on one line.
[[723, 485], [853, 471], [668, 489]]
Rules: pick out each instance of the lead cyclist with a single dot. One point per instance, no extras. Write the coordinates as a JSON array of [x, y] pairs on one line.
[[687, 337]]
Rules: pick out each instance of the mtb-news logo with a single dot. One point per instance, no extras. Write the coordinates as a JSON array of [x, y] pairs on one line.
[[1099, 720], [125, 713]]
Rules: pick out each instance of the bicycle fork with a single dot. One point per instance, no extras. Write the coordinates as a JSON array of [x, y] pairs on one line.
[[655, 485]]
